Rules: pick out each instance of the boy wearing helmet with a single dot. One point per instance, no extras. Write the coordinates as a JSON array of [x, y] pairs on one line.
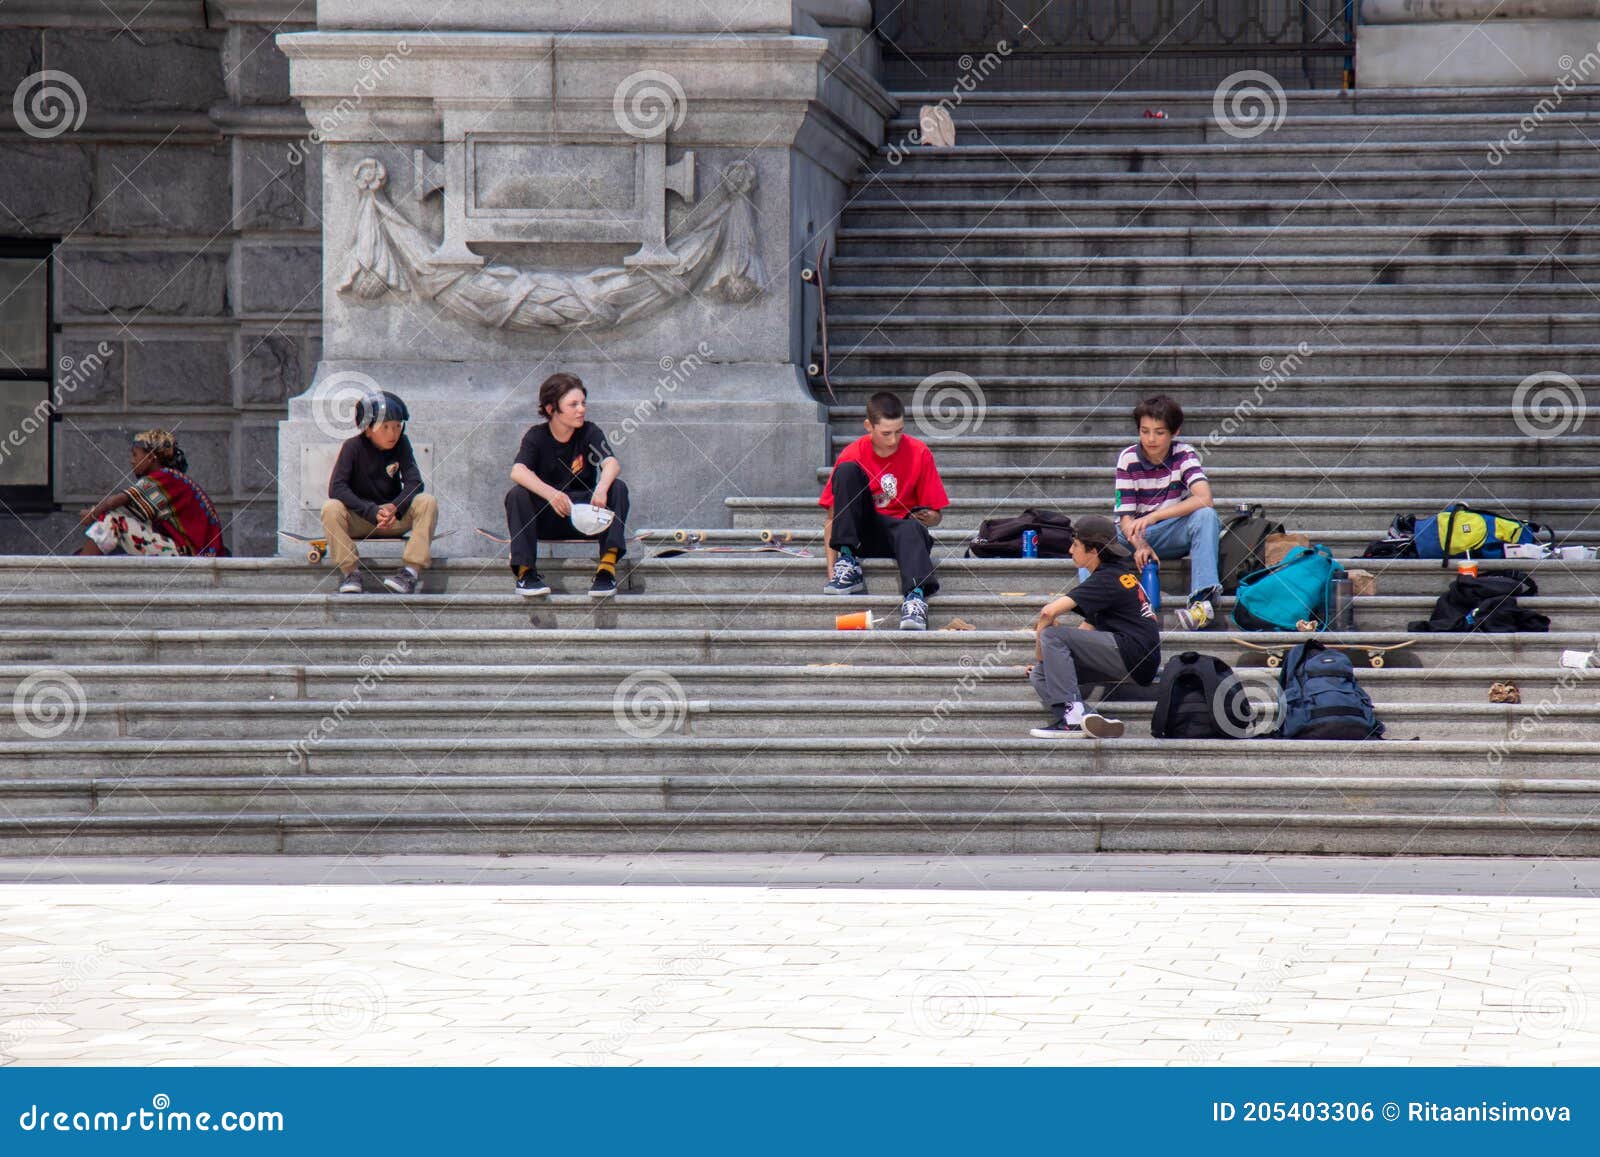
[[375, 490]]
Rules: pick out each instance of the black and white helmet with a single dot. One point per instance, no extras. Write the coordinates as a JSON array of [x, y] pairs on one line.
[[375, 408]]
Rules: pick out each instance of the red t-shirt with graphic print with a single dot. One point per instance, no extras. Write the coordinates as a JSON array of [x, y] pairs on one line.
[[904, 480]]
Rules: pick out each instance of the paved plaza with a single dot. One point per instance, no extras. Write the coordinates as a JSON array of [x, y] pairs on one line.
[[785, 960]]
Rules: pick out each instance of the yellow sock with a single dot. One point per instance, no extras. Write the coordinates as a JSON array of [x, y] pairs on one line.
[[521, 570], [608, 562]]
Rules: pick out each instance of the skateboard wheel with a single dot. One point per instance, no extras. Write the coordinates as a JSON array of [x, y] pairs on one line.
[[814, 370], [1274, 660], [808, 275], [1376, 660], [680, 536], [313, 556]]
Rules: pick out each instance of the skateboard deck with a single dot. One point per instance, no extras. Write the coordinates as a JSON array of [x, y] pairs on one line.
[[682, 542], [317, 548], [1377, 655], [816, 277]]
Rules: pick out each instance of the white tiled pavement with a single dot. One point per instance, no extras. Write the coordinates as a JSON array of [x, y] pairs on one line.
[[799, 960]]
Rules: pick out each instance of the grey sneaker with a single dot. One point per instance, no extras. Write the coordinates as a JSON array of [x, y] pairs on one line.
[[351, 584], [847, 580], [913, 614], [404, 581], [1102, 726]]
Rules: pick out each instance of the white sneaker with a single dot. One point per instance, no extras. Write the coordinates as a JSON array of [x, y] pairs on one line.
[[1197, 616]]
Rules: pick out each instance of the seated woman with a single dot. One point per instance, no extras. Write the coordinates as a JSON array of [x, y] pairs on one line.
[[162, 513]]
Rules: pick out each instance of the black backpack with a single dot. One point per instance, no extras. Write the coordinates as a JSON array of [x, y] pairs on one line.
[[1243, 547], [1487, 603], [1191, 686], [1002, 537], [1321, 698]]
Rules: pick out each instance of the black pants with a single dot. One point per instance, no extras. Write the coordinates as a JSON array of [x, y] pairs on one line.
[[530, 518], [858, 525]]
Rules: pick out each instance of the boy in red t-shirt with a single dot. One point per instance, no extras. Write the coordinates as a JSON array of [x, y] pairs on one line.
[[884, 494]]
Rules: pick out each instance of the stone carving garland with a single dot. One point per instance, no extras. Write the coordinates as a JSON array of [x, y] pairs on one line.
[[714, 248]]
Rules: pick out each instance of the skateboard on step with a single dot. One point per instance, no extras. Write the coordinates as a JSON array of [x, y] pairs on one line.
[[1377, 655], [682, 542], [317, 548]]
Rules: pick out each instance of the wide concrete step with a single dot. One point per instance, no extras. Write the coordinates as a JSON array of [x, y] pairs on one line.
[[1570, 517], [992, 441], [1181, 356], [1514, 486], [923, 794], [1290, 380], [1132, 266], [849, 304], [1264, 154], [377, 616], [1225, 211], [1025, 127], [1210, 426], [895, 829], [886, 720], [225, 648], [106, 762], [960, 332], [651, 692], [715, 575], [1507, 239], [1015, 181], [1299, 104]]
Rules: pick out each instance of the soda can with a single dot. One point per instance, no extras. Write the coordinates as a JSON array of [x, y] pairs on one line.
[[1150, 578], [1030, 544]]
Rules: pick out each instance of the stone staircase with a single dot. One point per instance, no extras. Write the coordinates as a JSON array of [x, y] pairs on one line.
[[241, 706]]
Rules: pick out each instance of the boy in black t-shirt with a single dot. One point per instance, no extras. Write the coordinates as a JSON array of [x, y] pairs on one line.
[[563, 462], [1119, 639], [375, 491]]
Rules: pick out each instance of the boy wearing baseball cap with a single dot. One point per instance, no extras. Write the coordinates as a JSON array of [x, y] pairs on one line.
[[1119, 639]]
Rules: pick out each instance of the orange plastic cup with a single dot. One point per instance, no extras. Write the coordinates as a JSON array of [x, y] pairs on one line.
[[854, 621], [1470, 569]]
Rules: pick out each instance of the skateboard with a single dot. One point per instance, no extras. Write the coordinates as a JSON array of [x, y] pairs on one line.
[[317, 548], [682, 542], [815, 276], [1378, 655], [505, 539]]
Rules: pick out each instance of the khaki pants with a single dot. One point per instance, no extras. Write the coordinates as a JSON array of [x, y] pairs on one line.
[[343, 528]]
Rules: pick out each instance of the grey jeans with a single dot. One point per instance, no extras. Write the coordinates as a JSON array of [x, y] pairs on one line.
[[1071, 657]]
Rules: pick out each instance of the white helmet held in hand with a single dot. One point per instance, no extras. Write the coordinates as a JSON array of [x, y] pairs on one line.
[[590, 519]]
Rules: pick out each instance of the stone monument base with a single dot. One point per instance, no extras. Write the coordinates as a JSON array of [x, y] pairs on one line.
[[689, 433]]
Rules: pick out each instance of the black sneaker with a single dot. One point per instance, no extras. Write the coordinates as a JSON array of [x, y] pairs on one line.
[[847, 579], [351, 584], [1060, 729], [530, 585], [604, 585], [404, 581]]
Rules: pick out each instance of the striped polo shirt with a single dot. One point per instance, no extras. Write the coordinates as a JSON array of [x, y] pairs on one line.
[[1144, 487]]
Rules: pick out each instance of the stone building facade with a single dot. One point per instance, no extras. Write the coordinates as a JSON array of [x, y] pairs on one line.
[[152, 190]]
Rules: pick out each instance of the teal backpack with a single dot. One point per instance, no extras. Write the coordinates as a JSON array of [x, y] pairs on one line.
[[1279, 597]]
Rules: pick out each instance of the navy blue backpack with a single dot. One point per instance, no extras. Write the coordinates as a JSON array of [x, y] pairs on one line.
[[1321, 698]]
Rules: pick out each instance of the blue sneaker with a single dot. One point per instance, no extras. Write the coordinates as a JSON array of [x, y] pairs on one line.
[[847, 579], [914, 613]]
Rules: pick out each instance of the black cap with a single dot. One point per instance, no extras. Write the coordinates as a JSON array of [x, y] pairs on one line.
[[1097, 532]]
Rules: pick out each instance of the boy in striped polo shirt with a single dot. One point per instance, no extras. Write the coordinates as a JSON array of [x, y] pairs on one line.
[[1164, 505]]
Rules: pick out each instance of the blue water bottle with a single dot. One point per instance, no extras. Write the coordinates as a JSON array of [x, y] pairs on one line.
[[1030, 544], [1150, 579]]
